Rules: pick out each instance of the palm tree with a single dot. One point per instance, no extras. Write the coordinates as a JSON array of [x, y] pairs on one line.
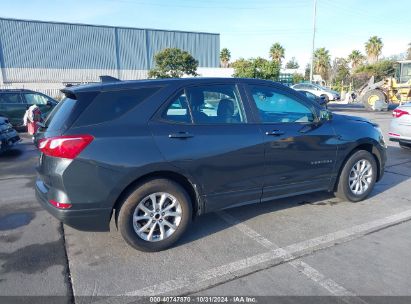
[[225, 57], [373, 48], [277, 52], [322, 62], [356, 59]]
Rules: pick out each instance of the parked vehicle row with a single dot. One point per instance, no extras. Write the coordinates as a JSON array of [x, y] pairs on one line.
[[157, 153], [15, 102]]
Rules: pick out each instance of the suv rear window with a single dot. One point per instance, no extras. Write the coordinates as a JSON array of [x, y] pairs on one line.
[[110, 105], [58, 117]]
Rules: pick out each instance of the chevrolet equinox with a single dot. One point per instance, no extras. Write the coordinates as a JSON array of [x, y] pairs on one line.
[[154, 154]]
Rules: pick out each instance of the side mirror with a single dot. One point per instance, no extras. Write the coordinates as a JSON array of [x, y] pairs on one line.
[[325, 115]]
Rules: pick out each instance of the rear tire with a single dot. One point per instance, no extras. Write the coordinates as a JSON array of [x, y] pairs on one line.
[[371, 97], [146, 203], [358, 177]]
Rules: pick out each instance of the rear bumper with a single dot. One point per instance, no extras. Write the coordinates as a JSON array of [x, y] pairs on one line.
[[400, 132], [83, 219]]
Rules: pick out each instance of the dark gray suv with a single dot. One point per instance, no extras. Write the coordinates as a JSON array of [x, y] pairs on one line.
[[157, 153]]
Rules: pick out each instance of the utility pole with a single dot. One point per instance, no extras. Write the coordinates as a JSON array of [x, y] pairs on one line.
[[312, 54]]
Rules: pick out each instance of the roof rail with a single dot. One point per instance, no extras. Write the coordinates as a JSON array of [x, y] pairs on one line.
[[107, 78]]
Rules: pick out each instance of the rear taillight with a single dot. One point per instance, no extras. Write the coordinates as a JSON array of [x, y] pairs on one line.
[[60, 205], [68, 146], [398, 113]]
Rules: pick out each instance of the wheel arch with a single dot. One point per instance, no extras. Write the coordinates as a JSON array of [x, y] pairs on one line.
[[190, 187], [366, 147]]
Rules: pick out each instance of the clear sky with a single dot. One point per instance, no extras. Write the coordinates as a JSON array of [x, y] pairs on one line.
[[247, 28]]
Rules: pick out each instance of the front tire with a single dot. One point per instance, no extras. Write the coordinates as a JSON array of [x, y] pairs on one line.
[[358, 177], [154, 215]]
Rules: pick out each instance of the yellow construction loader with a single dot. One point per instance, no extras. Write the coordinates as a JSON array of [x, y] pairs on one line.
[[395, 90]]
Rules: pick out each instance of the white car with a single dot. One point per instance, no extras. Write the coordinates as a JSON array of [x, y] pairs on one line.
[[400, 128], [317, 90]]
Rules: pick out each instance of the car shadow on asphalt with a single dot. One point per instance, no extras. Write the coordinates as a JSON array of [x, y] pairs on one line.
[[20, 161], [10, 154], [209, 224]]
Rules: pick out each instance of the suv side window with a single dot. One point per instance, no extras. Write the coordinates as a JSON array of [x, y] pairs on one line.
[[275, 107], [37, 99], [212, 104], [178, 110], [9, 98], [110, 105]]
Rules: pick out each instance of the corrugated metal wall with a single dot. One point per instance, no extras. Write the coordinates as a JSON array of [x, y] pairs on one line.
[[36, 51]]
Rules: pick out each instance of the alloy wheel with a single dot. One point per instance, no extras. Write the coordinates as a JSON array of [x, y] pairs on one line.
[[157, 217], [360, 177]]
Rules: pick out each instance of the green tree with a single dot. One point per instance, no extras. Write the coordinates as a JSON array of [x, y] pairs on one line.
[[379, 70], [356, 59], [225, 56], [340, 73], [292, 64], [297, 78], [373, 48], [409, 52], [173, 63], [277, 52], [322, 62], [256, 68]]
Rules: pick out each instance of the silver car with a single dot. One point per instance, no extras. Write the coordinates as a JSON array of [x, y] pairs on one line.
[[317, 90], [400, 129]]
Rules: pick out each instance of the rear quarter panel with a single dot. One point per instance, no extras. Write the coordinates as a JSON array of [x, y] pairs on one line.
[[119, 154]]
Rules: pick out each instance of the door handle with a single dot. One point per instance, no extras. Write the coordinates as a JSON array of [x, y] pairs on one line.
[[181, 135], [274, 133]]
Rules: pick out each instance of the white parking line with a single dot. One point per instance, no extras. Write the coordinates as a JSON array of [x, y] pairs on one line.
[[333, 287], [230, 271]]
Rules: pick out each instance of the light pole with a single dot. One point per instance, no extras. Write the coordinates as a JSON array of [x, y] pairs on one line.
[[312, 53]]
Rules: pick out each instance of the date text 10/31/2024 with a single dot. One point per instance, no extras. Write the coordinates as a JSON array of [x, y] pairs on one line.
[[203, 299]]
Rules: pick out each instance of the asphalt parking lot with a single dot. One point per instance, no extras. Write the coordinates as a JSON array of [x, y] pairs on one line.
[[309, 245]]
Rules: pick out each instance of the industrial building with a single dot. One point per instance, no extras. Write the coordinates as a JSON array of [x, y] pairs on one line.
[[38, 54]]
